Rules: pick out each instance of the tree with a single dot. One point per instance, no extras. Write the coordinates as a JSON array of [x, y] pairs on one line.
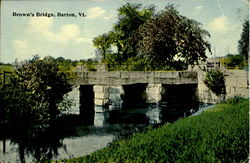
[[102, 43], [172, 40], [30, 103], [243, 44], [130, 17], [234, 61], [43, 85]]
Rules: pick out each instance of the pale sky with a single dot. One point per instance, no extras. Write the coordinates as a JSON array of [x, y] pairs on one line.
[[71, 37]]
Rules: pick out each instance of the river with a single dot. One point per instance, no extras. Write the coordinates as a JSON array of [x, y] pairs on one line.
[[73, 138]]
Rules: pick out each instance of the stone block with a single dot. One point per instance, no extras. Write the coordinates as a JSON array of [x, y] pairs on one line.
[[101, 95], [125, 75], [92, 74], [236, 91], [153, 98], [154, 88], [93, 81], [149, 74], [103, 75], [101, 102], [202, 87], [236, 81], [114, 75], [184, 81], [163, 81], [136, 75], [167, 74], [188, 74], [101, 88]]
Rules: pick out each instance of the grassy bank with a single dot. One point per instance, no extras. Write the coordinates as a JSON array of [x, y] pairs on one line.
[[217, 135]]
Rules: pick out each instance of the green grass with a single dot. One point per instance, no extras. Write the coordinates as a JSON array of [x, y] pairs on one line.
[[8, 68], [218, 135]]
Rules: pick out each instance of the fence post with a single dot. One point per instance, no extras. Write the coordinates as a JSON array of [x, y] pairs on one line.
[[4, 77]]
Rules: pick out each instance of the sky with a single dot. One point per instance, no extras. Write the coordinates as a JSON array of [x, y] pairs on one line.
[[71, 37]]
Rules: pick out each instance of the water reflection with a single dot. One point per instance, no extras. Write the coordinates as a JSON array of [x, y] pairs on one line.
[[32, 143], [72, 135]]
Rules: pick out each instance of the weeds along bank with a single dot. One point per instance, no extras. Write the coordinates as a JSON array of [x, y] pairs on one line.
[[216, 135]]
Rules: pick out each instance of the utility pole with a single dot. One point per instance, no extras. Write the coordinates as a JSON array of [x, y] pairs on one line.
[[214, 52]]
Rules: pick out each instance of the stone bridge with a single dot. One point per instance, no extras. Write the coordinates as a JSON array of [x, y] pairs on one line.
[[110, 88], [125, 78], [176, 87]]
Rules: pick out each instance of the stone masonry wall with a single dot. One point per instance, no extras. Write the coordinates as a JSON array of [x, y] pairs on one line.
[[111, 95], [153, 92], [101, 94], [236, 85]]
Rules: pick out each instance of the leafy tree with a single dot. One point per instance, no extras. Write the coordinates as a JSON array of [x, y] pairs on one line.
[[234, 61], [35, 93], [243, 44], [170, 39], [102, 43], [43, 80], [60, 59], [166, 40], [130, 17]]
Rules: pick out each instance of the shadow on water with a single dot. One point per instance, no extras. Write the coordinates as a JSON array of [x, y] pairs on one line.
[[71, 131]]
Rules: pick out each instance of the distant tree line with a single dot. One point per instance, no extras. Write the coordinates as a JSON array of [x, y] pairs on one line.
[[68, 65]]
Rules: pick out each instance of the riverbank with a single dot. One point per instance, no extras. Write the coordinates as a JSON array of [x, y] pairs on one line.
[[216, 135]]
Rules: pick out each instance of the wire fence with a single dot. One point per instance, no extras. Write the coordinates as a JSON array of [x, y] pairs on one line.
[[5, 77]]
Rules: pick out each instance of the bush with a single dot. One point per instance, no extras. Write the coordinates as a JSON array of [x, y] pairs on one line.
[[235, 100], [234, 61], [35, 92], [220, 136], [215, 81]]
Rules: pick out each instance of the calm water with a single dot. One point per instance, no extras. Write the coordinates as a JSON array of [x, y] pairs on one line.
[[71, 137]]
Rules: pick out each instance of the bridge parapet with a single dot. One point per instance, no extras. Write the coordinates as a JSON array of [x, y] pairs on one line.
[[124, 78]]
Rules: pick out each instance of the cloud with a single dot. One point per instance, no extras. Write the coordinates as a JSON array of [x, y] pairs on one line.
[[23, 49], [197, 10], [44, 38], [41, 27], [95, 12], [219, 24], [40, 24], [83, 39], [109, 17], [20, 44], [69, 31]]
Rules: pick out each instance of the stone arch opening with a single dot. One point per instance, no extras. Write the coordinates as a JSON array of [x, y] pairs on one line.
[[178, 100], [134, 94]]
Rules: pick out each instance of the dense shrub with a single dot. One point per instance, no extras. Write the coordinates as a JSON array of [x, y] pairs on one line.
[[215, 81], [220, 136]]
